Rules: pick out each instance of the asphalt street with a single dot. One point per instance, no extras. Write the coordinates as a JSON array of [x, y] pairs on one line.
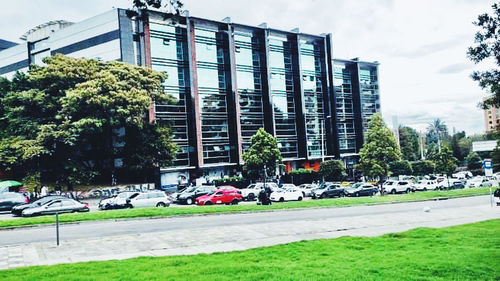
[[110, 228]]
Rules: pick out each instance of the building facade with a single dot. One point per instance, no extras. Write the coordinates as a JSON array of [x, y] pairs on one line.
[[227, 80], [491, 119]]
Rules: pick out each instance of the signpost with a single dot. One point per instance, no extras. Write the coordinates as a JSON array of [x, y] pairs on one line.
[[57, 228], [488, 171]]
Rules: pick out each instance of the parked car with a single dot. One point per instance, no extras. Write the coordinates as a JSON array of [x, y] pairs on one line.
[[11, 199], [189, 195], [451, 184], [328, 190], [478, 182], [252, 191], [155, 198], [223, 195], [65, 205], [398, 187], [289, 194], [18, 209], [424, 185], [307, 188], [116, 202], [361, 189]]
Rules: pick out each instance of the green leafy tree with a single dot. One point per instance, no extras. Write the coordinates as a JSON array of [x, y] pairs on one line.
[[263, 156], [402, 167], [487, 42], [65, 118], [423, 167], [408, 142], [332, 170], [474, 163], [495, 158], [445, 162], [460, 145], [380, 148]]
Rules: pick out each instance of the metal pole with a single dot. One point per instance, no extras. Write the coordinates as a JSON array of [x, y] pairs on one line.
[[491, 197], [322, 141], [57, 228]]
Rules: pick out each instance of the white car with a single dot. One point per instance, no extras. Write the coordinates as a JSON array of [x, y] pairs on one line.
[[424, 185], [117, 201], [397, 187], [252, 191], [478, 182], [149, 199], [290, 194], [307, 188]]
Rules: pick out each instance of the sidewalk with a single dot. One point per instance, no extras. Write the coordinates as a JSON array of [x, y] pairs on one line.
[[232, 237]]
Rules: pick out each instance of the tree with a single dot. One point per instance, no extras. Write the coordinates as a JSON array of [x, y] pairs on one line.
[[70, 119], [402, 167], [460, 145], [495, 158], [408, 142], [436, 131], [379, 149], [445, 162], [474, 163], [423, 167], [262, 157], [332, 170], [487, 45]]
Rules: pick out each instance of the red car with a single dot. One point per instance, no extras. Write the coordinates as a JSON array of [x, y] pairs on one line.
[[223, 195]]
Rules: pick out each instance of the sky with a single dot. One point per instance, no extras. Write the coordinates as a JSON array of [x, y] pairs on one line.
[[424, 72]]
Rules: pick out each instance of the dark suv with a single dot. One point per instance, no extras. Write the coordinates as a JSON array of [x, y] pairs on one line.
[[328, 190], [190, 194]]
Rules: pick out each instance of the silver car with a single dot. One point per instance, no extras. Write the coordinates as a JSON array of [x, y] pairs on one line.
[[149, 199], [66, 205]]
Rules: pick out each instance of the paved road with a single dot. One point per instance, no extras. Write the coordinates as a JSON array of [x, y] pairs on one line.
[[205, 234]]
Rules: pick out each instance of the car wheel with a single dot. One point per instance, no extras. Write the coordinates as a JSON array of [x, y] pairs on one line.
[[282, 199], [208, 203], [251, 197], [408, 190], [300, 198], [189, 201], [303, 194], [393, 191], [161, 204], [425, 188], [356, 194], [323, 196], [129, 206], [235, 202]]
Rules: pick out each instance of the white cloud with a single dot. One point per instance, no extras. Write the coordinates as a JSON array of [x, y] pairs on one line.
[[421, 45]]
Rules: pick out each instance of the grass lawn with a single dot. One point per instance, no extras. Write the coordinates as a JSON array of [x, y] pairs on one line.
[[466, 252], [167, 212]]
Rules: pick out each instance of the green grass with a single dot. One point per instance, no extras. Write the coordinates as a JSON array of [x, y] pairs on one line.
[[167, 212], [466, 252]]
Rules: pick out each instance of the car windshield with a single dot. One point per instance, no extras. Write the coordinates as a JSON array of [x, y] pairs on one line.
[[421, 182], [44, 200], [389, 183], [190, 189], [356, 185], [251, 186]]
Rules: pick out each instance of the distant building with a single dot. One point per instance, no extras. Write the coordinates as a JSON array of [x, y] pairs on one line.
[[229, 80], [491, 119]]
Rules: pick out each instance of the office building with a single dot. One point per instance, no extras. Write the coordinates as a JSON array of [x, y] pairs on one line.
[[491, 119], [228, 80]]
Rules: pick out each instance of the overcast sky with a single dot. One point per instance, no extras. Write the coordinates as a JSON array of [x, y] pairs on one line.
[[421, 45]]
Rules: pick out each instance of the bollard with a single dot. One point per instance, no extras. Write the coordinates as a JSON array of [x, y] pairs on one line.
[[57, 228]]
